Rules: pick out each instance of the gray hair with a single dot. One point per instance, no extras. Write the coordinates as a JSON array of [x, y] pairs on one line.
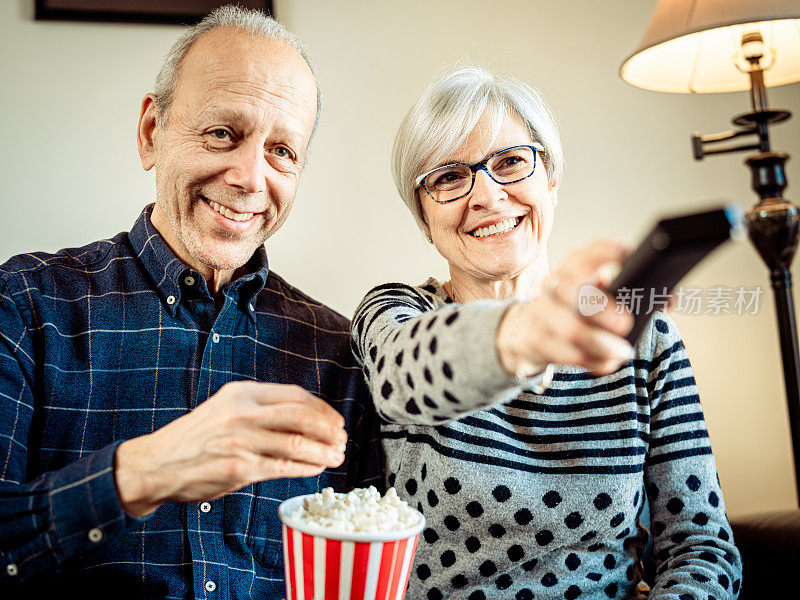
[[447, 112], [251, 21]]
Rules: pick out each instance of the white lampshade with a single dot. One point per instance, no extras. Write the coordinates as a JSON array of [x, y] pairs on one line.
[[694, 46]]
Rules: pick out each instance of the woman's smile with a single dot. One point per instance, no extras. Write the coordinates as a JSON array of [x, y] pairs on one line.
[[496, 228]]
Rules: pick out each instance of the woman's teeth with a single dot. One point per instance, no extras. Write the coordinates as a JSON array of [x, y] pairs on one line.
[[496, 229], [227, 212]]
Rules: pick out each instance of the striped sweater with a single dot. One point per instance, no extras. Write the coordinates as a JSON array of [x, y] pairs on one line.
[[530, 496]]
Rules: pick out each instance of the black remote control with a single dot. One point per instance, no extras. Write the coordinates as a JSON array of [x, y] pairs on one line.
[[671, 249]]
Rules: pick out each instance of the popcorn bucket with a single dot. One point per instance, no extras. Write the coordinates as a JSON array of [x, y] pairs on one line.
[[324, 564]]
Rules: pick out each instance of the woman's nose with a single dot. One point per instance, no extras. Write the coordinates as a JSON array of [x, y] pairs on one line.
[[486, 192]]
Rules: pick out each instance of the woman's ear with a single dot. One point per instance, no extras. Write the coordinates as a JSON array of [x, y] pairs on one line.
[[422, 221], [552, 189], [427, 233]]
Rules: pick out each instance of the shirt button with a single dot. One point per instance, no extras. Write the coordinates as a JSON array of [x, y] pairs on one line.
[[189, 281], [210, 586], [215, 337], [95, 535], [251, 307], [170, 299], [205, 507], [12, 570]]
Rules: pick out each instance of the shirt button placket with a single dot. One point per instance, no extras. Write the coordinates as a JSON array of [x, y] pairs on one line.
[[206, 537], [95, 535]]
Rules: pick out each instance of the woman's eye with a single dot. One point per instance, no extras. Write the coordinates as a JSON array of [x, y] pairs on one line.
[[448, 177], [511, 164]]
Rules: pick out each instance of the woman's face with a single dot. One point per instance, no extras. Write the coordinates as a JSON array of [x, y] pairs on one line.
[[455, 227]]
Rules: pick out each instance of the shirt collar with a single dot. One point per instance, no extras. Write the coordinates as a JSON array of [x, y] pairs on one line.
[[173, 279]]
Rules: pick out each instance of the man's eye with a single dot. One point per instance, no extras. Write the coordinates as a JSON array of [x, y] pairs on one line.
[[282, 152], [221, 134]]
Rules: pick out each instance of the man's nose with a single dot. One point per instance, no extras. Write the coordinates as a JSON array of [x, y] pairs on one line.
[[486, 192], [249, 169]]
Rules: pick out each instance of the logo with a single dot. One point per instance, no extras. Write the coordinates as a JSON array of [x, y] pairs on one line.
[[591, 300]]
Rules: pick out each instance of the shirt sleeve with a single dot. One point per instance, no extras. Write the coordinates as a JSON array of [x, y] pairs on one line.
[[693, 544], [426, 365], [46, 519]]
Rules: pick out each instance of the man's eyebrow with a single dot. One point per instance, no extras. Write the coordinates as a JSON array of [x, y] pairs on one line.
[[233, 115], [224, 114]]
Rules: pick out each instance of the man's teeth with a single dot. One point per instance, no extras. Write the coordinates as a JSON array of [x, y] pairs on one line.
[[496, 229], [227, 212]]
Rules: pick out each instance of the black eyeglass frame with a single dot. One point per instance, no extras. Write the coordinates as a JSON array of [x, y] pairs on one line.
[[478, 166]]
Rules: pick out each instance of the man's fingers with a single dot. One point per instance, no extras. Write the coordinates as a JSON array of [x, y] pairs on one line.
[[293, 447], [278, 468], [296, 418], [274, 393]]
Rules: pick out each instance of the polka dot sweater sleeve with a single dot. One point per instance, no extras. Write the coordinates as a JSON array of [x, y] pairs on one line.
[[695, 555], [428, 361]]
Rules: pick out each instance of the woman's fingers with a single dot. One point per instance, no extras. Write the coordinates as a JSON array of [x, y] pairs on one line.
[[592, 352], [558, 334], [552, 329], [586, 272], [592, 264], [584, 263]]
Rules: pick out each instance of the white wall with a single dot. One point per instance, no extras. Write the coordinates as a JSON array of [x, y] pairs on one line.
[[70, 98]]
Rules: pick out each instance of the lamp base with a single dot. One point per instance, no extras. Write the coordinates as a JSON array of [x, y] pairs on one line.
[[774, 230]]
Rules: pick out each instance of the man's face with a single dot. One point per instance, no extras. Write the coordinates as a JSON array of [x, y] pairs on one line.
[[229, 158]]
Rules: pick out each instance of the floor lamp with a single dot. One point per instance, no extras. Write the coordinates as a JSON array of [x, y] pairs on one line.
[[710, 46]]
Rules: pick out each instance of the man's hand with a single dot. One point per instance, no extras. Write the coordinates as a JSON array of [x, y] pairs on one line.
[[244, 433]]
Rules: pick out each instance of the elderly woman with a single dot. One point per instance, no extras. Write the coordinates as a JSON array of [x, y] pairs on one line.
[[530, 490]]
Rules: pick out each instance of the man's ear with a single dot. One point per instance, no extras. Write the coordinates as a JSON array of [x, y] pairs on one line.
[[145, 133]]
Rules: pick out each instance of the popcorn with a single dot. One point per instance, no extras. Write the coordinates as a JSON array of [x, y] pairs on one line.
[[361, 510]]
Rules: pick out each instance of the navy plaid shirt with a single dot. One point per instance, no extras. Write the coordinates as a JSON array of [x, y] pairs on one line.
[[112, 341]]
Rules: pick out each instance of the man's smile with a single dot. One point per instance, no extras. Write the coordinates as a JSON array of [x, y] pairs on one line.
[[227, 212]]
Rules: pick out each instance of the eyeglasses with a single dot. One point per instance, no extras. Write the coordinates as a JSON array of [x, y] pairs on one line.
[[454, 181]]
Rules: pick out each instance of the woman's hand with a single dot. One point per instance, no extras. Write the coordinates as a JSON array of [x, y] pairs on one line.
[[549, 329]]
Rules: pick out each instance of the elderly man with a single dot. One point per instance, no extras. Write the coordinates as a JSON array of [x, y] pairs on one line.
[[142, 451]]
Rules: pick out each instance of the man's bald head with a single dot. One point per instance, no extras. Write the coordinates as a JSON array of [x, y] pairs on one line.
[[249, 21]]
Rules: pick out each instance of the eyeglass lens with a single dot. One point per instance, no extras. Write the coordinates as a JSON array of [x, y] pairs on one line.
[[508, 166]]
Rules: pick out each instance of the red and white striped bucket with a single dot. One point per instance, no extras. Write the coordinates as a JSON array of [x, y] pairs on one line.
[[321, 564]]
